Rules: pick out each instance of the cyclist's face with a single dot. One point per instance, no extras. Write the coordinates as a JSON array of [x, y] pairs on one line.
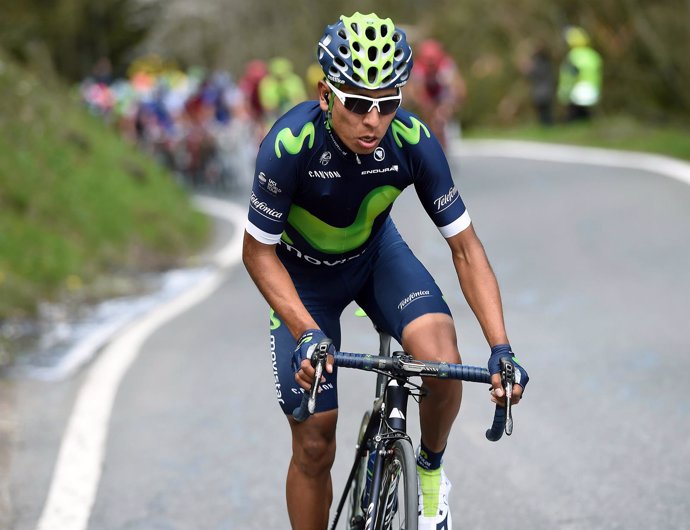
[[361, 133]]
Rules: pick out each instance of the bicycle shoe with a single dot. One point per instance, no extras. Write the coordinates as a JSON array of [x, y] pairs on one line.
[[433, 490]]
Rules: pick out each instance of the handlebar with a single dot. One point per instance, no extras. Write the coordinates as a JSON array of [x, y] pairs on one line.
[[402, 365]]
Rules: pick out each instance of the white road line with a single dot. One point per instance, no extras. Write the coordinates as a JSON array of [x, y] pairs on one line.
[[80, 460], [661, 165]]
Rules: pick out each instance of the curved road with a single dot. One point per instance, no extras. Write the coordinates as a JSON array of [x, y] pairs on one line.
[[594, 265]]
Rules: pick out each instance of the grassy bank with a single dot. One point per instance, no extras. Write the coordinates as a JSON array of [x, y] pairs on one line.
[[615, 132], [76, 202]]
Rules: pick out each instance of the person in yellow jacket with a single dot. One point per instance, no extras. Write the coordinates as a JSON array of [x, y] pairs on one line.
[[281, 89], [580, 78]]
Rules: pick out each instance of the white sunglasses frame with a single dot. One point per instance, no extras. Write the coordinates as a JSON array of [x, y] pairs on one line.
[[374, 102]]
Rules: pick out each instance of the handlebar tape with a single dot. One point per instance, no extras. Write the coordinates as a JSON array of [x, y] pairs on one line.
[[301, 413], [496, 431]]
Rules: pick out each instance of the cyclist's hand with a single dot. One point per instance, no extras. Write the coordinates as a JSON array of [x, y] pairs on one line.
[[301, 357], [498, 352]]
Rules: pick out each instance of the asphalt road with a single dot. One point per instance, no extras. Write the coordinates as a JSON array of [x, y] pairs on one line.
[[594, 265]]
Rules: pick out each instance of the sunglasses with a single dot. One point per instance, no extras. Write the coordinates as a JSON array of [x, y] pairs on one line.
[[363, 104]]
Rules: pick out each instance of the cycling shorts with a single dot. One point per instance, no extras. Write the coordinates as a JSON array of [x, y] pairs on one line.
[[387, 281]]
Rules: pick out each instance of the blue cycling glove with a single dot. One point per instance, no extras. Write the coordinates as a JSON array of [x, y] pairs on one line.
[[306, 345], [501, 351]]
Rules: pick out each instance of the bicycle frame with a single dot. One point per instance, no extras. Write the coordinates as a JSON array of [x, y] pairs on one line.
[[387, 421]]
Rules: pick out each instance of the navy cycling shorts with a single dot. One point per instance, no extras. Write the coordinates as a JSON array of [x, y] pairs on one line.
[[387, 281]]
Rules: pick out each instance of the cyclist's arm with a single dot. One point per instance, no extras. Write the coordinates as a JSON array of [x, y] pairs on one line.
[[478, 284], [480, 288], [275, 284]]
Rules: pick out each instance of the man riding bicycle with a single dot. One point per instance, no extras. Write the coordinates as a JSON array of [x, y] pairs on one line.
[[319, 236]]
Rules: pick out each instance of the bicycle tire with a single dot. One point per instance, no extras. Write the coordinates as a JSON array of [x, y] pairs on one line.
[[355, 513], [397, 506]]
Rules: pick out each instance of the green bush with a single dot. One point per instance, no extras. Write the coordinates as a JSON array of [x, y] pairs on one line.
[[76, 201]]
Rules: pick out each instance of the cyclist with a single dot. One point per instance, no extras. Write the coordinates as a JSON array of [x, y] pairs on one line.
[[436, 87], [280, 89], [319, 236]]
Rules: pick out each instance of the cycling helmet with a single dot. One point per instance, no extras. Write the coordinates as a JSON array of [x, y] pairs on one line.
[[365, 51]]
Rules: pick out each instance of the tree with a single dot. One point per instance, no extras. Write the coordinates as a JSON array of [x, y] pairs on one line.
[[74, 34]]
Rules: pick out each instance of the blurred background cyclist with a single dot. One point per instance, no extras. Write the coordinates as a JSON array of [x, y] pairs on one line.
[[436, 88]]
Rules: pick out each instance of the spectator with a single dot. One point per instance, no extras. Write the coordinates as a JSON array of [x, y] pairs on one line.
[[579, 83], [540, 73]]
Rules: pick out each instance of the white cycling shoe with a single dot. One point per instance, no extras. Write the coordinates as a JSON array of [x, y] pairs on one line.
[[433, 488]]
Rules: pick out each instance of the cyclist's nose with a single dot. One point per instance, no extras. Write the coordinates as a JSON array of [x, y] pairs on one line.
[[372, 117]]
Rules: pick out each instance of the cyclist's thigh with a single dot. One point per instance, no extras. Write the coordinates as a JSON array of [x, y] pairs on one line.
[[399, 288], [325, 306]]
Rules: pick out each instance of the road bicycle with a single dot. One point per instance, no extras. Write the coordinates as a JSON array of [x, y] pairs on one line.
[[381, 489]]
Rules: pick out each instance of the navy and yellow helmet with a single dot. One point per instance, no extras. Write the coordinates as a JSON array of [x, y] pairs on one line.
[[365, 51]]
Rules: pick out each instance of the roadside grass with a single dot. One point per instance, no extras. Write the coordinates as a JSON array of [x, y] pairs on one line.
[[77, 203], [612, 132]]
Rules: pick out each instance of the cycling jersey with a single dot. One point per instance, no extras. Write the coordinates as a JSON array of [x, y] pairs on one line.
[[324, 204]]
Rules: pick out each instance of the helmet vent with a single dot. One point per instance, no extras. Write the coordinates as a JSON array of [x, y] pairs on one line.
[[386, 48], [372, 53], [355, 46], [356, 77], [396, 36], [342, 33], [355, 28], [384, 31], [372, 73], [339, 62], [370, 32], [334, 71], [357, 63], [399, 54], [344, 51], [386, 79]]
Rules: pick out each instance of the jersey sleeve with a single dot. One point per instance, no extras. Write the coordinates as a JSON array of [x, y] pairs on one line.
[[436, 189], [275, 179]]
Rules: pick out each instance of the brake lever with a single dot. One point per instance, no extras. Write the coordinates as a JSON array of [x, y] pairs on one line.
[[508, 380], [318, 361]]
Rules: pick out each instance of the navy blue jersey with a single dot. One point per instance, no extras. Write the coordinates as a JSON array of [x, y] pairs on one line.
[[324, 203]]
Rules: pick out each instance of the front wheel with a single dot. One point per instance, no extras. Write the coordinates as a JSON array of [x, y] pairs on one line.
[[355, 513], [397, 506]]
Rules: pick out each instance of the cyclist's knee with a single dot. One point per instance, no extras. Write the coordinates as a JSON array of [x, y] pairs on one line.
[[432, 337], [315, 456], [313, 445]]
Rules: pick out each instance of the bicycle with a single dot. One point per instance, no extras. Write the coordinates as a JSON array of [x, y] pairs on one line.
[[388, 499]]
